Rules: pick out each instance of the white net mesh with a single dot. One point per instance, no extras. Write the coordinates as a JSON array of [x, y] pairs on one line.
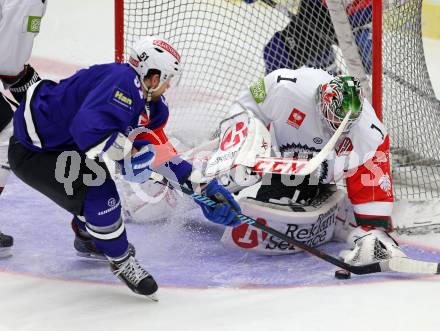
[[226, 45], [411, 111]]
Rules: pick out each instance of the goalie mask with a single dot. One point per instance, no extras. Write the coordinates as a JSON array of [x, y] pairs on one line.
[[336, 98], [152, 52]]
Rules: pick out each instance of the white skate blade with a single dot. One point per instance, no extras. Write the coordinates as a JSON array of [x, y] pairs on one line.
[[5, 252], [99, 258], [404, 264], [153, 297]]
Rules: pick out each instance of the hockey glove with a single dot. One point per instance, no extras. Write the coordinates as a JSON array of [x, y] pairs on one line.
[[18, 85], [137, 169], [225, 212]]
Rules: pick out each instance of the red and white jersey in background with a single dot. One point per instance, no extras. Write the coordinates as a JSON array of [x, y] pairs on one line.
[[19, 24], [285, 101]]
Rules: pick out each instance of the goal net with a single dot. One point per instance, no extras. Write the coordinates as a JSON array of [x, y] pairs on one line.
[[226, 45]]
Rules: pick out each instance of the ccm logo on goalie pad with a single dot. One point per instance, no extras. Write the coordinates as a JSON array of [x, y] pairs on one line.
[[233, 136]]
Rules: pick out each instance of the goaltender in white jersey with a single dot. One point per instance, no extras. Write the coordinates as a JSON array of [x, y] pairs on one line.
[[303, 108]]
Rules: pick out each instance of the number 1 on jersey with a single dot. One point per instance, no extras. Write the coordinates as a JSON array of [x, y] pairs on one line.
[[293, 80]]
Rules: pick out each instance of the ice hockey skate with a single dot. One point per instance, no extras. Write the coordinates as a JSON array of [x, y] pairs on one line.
[[6, 243], [85, 247], [134, 276]]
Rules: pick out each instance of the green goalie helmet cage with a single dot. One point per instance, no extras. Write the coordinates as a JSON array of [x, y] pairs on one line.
[[336, 98], [228, 44]]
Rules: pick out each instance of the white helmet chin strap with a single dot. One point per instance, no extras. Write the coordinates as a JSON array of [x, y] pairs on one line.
[[149, 91]]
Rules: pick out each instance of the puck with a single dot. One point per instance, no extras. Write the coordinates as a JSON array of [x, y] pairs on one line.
[[342, 274]]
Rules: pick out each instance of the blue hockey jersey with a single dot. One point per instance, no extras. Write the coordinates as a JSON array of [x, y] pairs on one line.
[[88, 110], [83, 110]]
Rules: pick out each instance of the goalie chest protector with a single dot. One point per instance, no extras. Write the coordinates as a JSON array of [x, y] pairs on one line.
[[313, 225]]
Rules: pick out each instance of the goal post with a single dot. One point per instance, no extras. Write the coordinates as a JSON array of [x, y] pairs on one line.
[[119, 31], [228, 44], [376, 54]]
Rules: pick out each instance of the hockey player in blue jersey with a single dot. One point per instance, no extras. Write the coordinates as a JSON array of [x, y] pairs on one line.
[[62, 129]]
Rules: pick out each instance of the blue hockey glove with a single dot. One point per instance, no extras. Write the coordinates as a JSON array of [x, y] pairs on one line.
[[137, 169], [223, 213]]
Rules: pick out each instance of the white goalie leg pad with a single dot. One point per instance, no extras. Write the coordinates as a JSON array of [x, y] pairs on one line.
[[4, 174], [313, 225], [345, 221], [370, 247], [150, 202]]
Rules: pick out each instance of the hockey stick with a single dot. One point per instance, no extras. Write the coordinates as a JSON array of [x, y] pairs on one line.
[[290, 166], [11, 102], [280, 165], [405, 265], [317, 160]]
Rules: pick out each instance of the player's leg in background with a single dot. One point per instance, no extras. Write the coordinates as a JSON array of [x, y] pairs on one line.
[[302, 42], [18, 86], [6, 114], [359, 17]]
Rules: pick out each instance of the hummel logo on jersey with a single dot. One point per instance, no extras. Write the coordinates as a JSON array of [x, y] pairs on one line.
[[345, 147], [296, 118], [120, 98]]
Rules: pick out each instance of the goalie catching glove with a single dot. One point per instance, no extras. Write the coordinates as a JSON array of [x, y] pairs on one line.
[[370, 247], [224, 213]]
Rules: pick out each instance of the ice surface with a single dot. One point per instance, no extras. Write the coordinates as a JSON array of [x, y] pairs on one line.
[[203, 286]]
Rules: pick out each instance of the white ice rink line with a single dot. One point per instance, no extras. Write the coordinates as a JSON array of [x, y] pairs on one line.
[[30, 304]]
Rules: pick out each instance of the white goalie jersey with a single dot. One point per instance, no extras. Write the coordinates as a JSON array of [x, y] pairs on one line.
[[285, 101], [19, 24]]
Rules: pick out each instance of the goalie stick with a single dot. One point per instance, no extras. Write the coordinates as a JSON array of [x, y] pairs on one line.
[[397, 264], [306, 167], [275, 165]]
